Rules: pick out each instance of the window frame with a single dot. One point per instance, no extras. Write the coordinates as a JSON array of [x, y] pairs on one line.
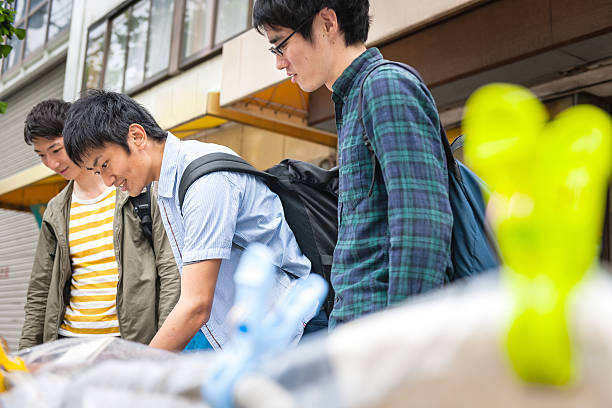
[[212, 48], [152, 80], [211, 23], [176, 62], [249, 22], [48, 42], [38, 50]]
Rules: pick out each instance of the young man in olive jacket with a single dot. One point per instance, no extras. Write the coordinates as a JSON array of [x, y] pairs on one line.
[[95, 272]]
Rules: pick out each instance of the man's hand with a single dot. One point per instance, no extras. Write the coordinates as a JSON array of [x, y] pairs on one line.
[[193, 308]]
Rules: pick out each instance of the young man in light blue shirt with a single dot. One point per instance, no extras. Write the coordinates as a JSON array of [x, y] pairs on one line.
[[222, 212]]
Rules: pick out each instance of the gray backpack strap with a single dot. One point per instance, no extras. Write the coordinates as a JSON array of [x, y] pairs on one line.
[[450, 160]]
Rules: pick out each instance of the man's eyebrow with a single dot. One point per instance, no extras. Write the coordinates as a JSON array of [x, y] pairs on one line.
[[275, 39], [52, 146], [95, 163]]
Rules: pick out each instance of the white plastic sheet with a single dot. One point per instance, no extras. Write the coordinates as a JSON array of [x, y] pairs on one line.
[[107, 372], [441, 350]]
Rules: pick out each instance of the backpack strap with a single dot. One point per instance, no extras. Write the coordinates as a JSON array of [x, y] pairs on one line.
[[458, 143], [214, 162], [451, 163], [142, 209]]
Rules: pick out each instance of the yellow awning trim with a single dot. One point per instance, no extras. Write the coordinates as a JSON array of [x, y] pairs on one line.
[[196, 125], [25, 177], [285, 97], [35, 185]]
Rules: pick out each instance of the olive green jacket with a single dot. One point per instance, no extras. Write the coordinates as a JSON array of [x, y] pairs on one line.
[[149, 282]]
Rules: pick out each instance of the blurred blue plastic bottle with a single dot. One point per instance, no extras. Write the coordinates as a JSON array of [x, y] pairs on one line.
[[260, 327]]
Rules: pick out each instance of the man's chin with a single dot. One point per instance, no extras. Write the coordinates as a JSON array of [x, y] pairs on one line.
[[66, 175], [134, 192], [308, 87]]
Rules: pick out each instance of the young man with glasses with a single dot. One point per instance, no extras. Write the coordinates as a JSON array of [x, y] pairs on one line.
[[394, 235]]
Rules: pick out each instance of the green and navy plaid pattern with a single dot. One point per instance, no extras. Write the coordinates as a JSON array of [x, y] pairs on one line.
[[396, 242]]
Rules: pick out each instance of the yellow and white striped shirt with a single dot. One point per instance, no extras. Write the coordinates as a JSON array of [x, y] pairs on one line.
[[93, 291]]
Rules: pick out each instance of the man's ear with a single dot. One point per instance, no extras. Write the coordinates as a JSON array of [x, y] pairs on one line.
[[329, 20], [137, 135]]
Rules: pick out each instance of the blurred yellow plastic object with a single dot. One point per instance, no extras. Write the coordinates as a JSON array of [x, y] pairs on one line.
[[7, 364], [549, 181]]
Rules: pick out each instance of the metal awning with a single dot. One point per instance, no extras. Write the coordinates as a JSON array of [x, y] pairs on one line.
[[260, 111]]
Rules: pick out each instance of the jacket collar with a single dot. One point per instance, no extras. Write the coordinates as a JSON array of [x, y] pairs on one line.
[[58, 208], [121, 198]]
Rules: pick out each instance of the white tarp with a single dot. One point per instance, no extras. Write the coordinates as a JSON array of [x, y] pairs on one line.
[[441, 350]]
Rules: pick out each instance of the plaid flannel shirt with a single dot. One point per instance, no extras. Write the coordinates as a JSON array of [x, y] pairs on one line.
[[396, 242]]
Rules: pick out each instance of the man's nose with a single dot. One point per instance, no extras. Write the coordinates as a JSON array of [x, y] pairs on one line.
[[108, 179], [53, 164], [281, 62]]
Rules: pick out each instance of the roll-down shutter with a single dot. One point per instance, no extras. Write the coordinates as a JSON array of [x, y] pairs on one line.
[[18, 230]]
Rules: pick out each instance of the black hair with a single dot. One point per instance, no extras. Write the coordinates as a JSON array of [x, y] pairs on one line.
[[102, 117], [45, 120], [353, 17]]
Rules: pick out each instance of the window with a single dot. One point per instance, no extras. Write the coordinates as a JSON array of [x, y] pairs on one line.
[[158, 48], [232, 18], [150, 39], [61, 11], [196, 36], [113, 79], [202, 32], [94, 59], [138, 27], [36, 30], [138, 46], [43, 21]]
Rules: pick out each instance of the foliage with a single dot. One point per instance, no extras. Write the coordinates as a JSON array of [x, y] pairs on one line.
[[7, 31]]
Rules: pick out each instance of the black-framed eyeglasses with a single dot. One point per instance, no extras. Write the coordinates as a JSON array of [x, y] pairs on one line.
[[278, 49]]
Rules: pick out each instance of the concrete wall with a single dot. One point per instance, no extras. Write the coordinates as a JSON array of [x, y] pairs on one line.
[[264, 149], [183, 97], [248, 67]]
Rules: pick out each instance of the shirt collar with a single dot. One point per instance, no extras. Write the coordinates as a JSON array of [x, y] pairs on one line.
[[345, 82], [167, 175]]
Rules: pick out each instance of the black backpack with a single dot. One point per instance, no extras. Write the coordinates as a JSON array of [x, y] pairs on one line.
[[142, 209], [309, 195]]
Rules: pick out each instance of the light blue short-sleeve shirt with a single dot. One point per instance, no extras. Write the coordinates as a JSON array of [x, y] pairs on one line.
[[222, 213]]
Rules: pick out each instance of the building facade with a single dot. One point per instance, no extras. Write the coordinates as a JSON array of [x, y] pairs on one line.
[[33, 71]]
